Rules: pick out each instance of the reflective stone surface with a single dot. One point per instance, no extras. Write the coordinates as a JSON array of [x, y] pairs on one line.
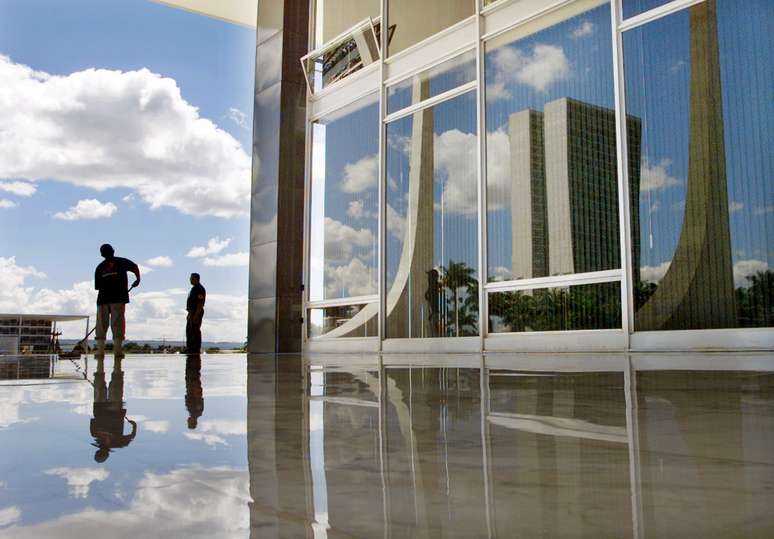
[[351, 446]]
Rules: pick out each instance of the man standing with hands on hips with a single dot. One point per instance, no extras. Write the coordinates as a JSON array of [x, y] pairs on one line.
[[113, 294], [195, 308]]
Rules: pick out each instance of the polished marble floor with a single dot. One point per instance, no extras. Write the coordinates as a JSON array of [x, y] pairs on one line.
[[354, 447]]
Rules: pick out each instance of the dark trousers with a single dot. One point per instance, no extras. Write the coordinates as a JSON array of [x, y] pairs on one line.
[[193, 336]]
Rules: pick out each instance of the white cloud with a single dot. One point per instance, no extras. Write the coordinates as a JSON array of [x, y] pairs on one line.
[[238, 117], [357, 210], [22, 189], [455, 158], [87, 209], [144, 269], [231, 260], [213, 247], [654, 274], [396, 223], [352, 279], [734, 206], [205, 502], [79, 479], [104, 129], [209, 439], [226, 427], [341, 241], [361, 175], [160, 262], [763, 210], [657, 176], [584, 29], [150, 315], [6, 204], [677, 66], [501, 273], [156, 426], [9, 515], [539, 68], [747, 268]]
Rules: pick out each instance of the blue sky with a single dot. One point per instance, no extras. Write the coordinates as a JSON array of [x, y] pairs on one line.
[[212, 64]]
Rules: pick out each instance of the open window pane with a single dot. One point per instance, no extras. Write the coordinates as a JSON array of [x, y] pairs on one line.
[[345, 203], [568, 308], [411, 21], [700, 80], [333, 17], [432, 245], [343, 58]]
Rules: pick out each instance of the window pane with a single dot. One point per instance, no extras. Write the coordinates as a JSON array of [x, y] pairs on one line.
[[411, 21], [333, 17], [552, 195], [700, 81], [446, 76], [635, 7], [345, 319], [344, 203], [432, 277], [591, 306], [340, 60]]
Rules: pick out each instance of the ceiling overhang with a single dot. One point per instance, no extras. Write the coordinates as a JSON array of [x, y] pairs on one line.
[[241, 12]]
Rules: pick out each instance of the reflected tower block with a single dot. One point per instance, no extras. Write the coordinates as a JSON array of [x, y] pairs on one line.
[[697, 291]]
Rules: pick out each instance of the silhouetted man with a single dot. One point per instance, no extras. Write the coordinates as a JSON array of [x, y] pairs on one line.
[[194, 394], [195, 308], [111, 282], [107, 425]]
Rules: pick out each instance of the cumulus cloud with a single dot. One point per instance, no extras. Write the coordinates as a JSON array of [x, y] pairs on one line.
[[6, 204], [396, 223], [209, 439], [22, 189], [352, 279], [735, 206], [655, 177], [9, 515], [455, 158], [226, 427], [104, 129], [584, 29], [231, 260], [538, 68], [90, 208], [654, 274], [357, 210], [501, 273], [79, 479], [160, 262], [205, 502], [213, 247], [361, 175], [747, 268], [341, 240], [150, 315]]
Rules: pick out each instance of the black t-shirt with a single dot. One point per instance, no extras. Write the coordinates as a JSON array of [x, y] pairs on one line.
[[110, 279], [196, 297]]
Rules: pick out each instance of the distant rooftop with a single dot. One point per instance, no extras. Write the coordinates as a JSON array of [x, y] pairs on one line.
[[49, 317]]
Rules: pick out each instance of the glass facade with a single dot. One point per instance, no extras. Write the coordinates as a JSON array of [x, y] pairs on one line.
[[698, 80], [432, 248], [334, 17], [520, 183]]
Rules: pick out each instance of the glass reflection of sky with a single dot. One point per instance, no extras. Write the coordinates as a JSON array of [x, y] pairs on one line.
[[344, 213], [454, 122], [570, 59], [197, 478], [657, 71]]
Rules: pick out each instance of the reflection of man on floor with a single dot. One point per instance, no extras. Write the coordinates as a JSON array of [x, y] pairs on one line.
[[107, 425], [194, 395]]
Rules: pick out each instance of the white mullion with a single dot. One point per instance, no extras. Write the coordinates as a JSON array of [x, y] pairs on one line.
[[382, 265], [467, 47], [624, 211], [483, 326], [431, 102], [307, 195], [422, 44], [656, 13]]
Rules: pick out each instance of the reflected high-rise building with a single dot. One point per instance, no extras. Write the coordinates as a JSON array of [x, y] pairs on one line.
[[564, 191]]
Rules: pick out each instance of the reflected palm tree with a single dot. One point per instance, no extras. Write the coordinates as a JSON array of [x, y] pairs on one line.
[[455, 276]]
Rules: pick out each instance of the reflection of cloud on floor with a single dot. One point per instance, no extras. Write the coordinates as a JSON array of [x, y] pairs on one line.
[[9, 515], [210, 439], [79, 479], [193, 501], [229, 427]]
